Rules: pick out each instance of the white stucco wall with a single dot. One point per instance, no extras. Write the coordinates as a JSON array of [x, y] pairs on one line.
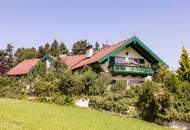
[[48, 64], [131, 54]]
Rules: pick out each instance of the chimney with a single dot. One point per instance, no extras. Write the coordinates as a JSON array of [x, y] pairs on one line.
[[89, 51], [62, 53]]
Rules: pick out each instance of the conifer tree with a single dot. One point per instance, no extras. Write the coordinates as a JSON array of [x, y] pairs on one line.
[[96, 46], [40, 52], [79, 47], [54, 50], [63, 48], [184, 69], [46, 48]]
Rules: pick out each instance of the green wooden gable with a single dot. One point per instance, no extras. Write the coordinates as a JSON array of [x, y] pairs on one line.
[[140, 47], [48, 57]]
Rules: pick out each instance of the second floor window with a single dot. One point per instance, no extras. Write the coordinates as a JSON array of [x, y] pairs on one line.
[[119, 59], [136, 61]]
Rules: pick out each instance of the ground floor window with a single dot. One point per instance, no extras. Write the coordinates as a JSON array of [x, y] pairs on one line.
[[133, 82], [130, 82]]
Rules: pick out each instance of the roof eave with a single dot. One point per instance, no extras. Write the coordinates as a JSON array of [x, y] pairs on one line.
[[127, 43]]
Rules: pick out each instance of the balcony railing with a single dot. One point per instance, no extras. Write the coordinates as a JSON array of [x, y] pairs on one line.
[[127, 69]]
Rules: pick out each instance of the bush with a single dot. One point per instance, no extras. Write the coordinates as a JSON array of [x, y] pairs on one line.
[[130, 93], [46, 86], [96, 102], [70, 84], [154, 101], [62, 99], [9, 87], [182, 103], [41, 88], [39, 70], [169, 78], [119, 86], [90, 84], [103, 82], [122, 106]]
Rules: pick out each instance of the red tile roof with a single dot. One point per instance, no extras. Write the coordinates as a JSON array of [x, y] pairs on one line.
[[23, 67], [71, 61], [98, 55]]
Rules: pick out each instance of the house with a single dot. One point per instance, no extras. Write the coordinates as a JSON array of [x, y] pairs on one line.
[[129, 60]]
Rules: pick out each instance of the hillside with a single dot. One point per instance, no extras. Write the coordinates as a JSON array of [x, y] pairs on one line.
[[25, 115]]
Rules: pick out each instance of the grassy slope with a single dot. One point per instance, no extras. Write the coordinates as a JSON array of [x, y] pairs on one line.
[[21, 115]]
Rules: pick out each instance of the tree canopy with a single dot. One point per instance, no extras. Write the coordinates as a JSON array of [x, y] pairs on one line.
[[184, 69], [54, 49], [25, 53], [63, 48], [79, 47]]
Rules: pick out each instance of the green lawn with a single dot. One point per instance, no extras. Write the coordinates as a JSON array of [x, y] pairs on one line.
[[25, 115]]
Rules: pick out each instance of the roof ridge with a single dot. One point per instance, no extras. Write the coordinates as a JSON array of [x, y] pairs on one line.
[[78, 62]]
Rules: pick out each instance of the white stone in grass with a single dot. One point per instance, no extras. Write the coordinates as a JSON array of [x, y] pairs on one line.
[[82, 103]]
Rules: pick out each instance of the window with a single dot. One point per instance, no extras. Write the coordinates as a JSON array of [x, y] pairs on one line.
[[134, 82], [136, 61], [119, 59], [141, 61]]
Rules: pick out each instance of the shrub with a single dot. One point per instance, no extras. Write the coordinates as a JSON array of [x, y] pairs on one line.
[[39, 70], [119, 86], [169, 78], [62, 99], [123, 106], [130, 93], [182, 103], [9, 87], [90, 84], [41, 88], [103, 82], [96, 102], [70, 84], [154, 101], [46, 86]]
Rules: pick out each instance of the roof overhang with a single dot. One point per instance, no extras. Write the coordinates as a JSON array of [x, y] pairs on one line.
[[140, 47]]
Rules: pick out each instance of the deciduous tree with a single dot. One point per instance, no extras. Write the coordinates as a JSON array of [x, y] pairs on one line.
[[25, 53]]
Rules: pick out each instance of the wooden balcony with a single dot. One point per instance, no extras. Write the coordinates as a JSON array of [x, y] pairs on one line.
[[126, 69]]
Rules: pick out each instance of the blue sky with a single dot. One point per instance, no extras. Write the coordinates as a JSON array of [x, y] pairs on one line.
[[163, 25]]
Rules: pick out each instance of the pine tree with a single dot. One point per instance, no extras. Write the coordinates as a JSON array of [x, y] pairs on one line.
[[184, 69], [96, 46], [79, 47], [62, 48], [46, 48], [54, 50], [40, 52]]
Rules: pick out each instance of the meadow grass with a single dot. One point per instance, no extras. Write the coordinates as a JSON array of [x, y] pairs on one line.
[[26, 115]]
